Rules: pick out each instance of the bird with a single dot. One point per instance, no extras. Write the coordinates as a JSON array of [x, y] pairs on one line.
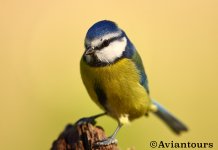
[[115, 79]]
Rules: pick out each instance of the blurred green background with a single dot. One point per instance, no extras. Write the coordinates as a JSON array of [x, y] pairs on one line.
[[41, 43]]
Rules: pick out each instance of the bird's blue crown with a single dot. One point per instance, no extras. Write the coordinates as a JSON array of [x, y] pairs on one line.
[[101, 28]]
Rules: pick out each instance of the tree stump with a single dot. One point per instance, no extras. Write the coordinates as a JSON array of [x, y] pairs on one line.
[[81, 137]]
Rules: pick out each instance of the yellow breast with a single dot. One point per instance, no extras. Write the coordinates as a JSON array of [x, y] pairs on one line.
[[120, 82]]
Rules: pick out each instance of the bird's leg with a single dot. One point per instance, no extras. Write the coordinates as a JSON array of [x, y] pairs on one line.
[[111, 139], [90, 119]]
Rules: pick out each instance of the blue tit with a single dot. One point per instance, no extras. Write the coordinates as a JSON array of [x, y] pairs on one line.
[[113, 74]]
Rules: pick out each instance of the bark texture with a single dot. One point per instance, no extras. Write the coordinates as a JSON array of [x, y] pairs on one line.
[[81, 137]]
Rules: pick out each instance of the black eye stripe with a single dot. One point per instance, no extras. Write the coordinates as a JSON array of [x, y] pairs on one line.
[[108, 41], [102, 45], [105, 43]]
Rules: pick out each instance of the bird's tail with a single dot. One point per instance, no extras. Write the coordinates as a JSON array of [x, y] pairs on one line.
[[174, 124]]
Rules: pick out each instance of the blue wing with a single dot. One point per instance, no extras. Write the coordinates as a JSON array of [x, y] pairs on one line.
[[137, 60], [132, 54]]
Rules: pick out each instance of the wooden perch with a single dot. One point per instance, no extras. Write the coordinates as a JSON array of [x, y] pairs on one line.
[[81, 137]]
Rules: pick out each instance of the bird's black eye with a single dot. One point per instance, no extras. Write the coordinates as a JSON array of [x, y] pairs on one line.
[[105, 43]]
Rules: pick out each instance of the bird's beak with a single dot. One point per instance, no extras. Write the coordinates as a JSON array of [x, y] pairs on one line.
[[89, 51]]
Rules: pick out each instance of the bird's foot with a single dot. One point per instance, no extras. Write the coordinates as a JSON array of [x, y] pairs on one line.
[[106, 142], [86, 120]]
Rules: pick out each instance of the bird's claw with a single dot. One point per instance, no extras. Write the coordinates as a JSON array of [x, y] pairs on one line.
[[106, 142]]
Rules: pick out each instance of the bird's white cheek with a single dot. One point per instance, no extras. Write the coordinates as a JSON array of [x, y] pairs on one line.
[[110, 53]]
